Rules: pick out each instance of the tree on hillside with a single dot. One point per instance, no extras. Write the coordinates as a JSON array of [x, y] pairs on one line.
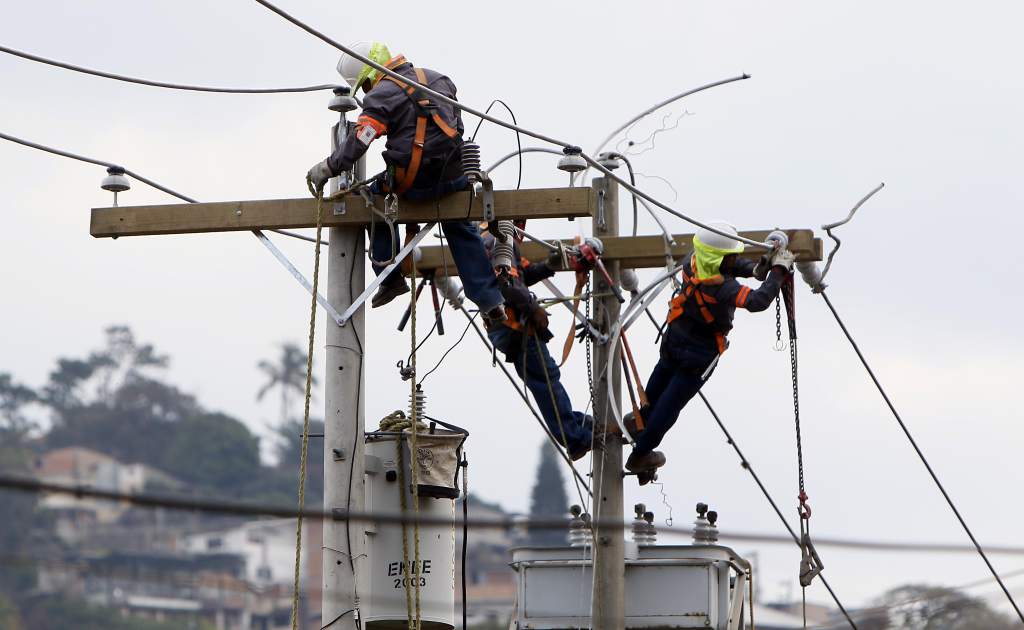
[[922, 607], [212, 449], [114, 401], [287, 375], [548, 498], [14, 397], [289, 451]]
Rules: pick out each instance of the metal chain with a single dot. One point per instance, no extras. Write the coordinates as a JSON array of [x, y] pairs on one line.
[[796, 416], [590, 365], [779, 344]]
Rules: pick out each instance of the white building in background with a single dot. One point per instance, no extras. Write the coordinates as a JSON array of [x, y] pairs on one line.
[[82, 466], [268, 547]]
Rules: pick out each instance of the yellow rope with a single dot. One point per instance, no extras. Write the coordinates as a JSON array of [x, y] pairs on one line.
[[413, 452], [405, 540], [305, 413]]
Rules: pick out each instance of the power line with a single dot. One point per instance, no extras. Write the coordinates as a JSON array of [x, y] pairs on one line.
[[162, 84], [746, 464], [512, 126], [127, 171], [920, 454], [248, 509]]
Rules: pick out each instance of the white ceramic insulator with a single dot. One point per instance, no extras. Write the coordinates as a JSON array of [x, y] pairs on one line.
[[629, 280]]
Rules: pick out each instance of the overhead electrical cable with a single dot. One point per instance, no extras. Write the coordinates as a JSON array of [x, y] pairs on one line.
[[920, 454], [129, 172], [162, 84], [246, 508], [514, 127], [767, 495]]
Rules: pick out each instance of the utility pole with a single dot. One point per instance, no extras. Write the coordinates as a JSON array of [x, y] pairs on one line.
[[608, 598], [344, 395]]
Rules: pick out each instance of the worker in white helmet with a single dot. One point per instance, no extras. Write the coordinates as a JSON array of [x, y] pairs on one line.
[[424, 162], [699, 319]]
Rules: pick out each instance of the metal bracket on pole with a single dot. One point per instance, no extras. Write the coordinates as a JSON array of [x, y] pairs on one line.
[[487, 186], [341, 132], [405, 251], [279, 255], [599, 217]]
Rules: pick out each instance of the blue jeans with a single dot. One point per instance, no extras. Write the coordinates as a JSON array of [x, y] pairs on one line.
[[675, 380], [530, 357], [467, 248]]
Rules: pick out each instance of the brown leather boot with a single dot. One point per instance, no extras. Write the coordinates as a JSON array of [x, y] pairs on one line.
[[650, 461]]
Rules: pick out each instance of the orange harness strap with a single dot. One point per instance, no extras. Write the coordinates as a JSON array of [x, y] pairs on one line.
[[577, 293], [703, 299], [407, 175]]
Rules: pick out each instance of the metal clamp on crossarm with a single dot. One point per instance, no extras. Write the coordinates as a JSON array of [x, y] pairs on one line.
[[472, 169]]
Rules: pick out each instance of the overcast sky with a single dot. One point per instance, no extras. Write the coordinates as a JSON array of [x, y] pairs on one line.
[[924, 96]]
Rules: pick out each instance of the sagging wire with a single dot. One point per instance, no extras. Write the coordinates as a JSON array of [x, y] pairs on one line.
[[651, 137], [745, 464], [129, 172], [519, 143], [920, 453], [664, 500], [660, 104], [162, 84], [448, 351], [487, 344], [512, 126], [663, 180], [831, 226]]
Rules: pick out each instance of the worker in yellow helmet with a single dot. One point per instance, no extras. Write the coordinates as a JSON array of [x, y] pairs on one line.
[[699, 319], [424, 162]]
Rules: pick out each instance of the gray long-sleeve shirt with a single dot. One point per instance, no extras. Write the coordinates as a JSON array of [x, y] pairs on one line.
[[388, 110]]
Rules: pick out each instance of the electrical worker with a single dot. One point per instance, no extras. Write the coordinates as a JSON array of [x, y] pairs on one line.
[[523, 338], [699, 319], [423, 155]]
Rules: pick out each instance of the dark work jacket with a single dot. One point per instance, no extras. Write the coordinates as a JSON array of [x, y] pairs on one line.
[[388, 110], [722, 295], [520, 303]]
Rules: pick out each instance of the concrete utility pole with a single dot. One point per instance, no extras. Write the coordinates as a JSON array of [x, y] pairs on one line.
[[608, 603], [343, 542]]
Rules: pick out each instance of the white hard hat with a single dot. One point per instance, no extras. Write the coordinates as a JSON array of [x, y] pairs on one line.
[[354, 71], [715, 240]]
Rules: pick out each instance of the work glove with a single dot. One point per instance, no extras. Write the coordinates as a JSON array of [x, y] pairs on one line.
[[556, 262], [317, 177], [783, 258], [539, 319], [763, 266]]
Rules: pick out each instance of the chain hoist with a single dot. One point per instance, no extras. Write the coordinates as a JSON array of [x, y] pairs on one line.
[[810, 563]]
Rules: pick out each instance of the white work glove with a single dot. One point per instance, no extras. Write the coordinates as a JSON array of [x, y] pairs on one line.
[[317, 177], [783, 258]]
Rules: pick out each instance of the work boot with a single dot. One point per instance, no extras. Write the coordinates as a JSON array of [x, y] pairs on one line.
[[579, 451], [640, 463], [389, 290]]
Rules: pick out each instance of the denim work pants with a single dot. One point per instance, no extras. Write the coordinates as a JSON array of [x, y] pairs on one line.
[[467, 249], [530, 357], [675, 380]]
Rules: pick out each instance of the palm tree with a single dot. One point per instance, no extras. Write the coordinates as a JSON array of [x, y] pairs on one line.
[[288, 375]]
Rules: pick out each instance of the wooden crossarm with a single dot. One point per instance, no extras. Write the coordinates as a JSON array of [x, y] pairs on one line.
[[637, 252], [228, 216]]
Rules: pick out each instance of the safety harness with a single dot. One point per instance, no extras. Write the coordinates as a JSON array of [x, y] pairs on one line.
[[692, 288], [426, 110]]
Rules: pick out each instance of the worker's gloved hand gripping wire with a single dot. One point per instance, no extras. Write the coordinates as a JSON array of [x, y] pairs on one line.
[[462, 106]]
